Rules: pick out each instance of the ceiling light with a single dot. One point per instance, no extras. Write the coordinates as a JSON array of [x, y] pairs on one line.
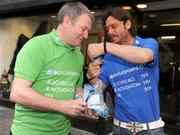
[[92, 12], [168, 37], [126, 7], [53, 16], [141, 6], [170, 24], [152, 15], [144, 26]]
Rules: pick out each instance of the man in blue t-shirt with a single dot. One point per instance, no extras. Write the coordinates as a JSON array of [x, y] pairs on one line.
[[131, 67]]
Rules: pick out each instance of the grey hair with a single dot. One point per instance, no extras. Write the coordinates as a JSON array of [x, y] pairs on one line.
[[73, 10]]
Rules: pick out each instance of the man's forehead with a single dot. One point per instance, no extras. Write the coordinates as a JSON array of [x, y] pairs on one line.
[[85, 21], [111, 20]]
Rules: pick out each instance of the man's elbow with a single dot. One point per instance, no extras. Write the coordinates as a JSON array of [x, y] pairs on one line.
[[147, 58], [14, 96]]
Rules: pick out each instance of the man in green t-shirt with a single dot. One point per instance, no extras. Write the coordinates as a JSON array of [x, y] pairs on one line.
[[48, 74]]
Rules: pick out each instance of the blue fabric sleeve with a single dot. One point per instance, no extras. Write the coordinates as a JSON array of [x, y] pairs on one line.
[[151, 44]]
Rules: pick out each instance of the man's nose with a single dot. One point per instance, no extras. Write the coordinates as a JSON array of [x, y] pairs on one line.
[[110, 31], [85, 34]]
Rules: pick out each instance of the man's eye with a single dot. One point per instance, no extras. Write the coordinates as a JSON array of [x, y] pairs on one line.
[[113, 26]]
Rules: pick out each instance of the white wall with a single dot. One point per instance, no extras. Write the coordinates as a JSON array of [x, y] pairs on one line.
[[10, 29]]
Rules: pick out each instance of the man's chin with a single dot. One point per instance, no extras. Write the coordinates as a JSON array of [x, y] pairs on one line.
[[114, 41], [77, 45]]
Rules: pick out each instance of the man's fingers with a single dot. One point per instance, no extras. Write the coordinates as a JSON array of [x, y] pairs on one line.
[[90, 56], [97, 63]]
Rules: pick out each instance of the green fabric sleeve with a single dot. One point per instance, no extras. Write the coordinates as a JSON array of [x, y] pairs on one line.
[[30, 60]]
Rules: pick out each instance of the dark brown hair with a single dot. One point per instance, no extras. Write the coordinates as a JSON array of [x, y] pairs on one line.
[[121, 15]]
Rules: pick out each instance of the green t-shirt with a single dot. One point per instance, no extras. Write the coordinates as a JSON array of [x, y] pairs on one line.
[[55, 70]]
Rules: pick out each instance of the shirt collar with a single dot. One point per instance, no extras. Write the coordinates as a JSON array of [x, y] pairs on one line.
[[137, 41], [56, 39]]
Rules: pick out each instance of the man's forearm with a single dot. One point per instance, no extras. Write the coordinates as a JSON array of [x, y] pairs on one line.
[[130, 53], [22, 93], [98, 84], [35, 100]]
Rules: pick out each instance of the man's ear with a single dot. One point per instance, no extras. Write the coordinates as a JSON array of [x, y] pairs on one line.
[[128, 24], [66, 19]]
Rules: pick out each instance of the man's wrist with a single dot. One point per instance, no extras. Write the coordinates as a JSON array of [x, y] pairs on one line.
[[90, 78], [79, 96]]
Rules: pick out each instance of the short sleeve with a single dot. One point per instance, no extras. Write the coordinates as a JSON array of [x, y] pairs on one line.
[[30, 60], [152, 44]]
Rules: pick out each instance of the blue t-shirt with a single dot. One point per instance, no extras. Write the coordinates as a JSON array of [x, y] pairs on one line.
[[135, 85]]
